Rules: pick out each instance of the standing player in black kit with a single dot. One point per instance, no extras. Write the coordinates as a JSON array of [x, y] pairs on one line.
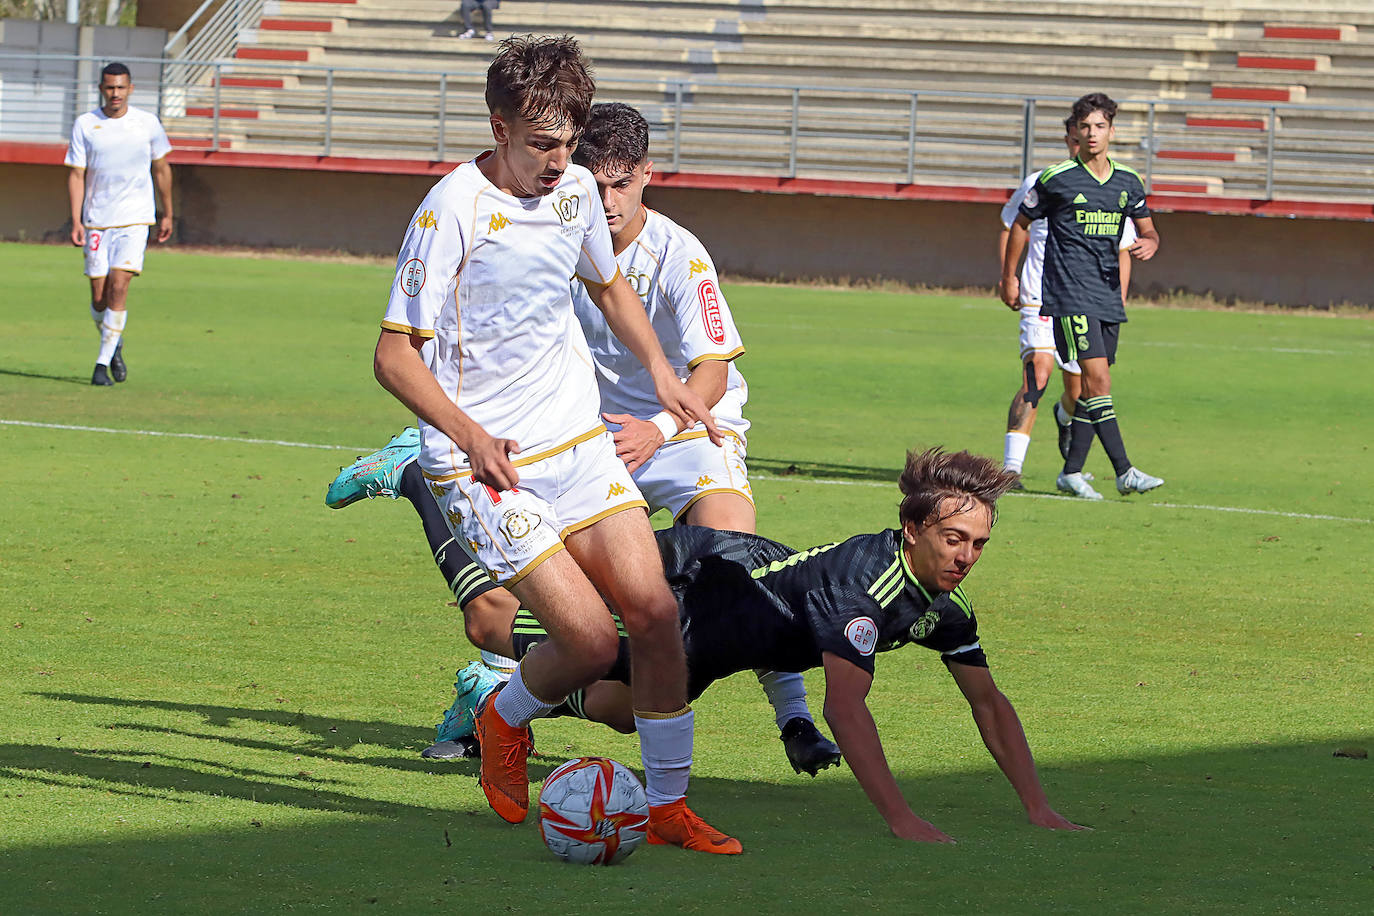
[[1085, 202]]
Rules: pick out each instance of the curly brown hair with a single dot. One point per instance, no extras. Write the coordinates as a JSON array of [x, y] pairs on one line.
[[544, 80], [935, 475]]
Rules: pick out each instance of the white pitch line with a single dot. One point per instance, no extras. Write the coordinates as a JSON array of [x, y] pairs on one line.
[[829, 481]]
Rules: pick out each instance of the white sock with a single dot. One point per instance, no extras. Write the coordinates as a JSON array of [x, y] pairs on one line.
[[786, 691], [1014, 451], [111, 329], [1060, 417], [501, 666], [665, 747], [518, 706]]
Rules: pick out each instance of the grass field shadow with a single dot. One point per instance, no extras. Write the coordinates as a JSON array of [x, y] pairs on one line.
[[796, 467], [69, 379]]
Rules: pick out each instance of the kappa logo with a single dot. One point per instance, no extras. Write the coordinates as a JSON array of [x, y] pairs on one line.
[[925, 624], [455, 518], [437, 489], [427, 221], [704, 481], [697, 266], [567, 208], [1080, 199], [616, 489], [474, 545], [498, 222], [412, 277], [862, 634], [711, 316]]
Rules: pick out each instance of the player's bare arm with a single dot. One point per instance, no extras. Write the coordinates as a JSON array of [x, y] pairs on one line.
[[1147, 243], [1011, 262], [625, 316], [637, 440], [399, 369], [846, 712], [76, 192], [1006, 741], [1124, 269], [162, 182]]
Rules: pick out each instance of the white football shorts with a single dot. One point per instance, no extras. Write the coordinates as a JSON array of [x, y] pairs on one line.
[[684, 470], [1037, 334], [510, 532], [120, 248]]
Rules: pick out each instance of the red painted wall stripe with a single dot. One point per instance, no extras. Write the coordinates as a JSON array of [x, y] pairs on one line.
[[1313, 33], [271, 54], [1251, 94], [1243, 123], [1257, 62], [296, 25], [1196, 155], [209, 112], [252, 82]]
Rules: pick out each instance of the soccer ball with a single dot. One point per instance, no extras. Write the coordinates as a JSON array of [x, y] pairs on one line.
[[592, 811]]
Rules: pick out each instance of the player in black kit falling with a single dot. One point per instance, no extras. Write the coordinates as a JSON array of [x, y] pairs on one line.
[[1086, 202], [746, 602]]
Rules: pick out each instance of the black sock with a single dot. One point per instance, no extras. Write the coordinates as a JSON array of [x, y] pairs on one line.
[[448, 556], [1103, 414], [1081, 438], [574, 705]]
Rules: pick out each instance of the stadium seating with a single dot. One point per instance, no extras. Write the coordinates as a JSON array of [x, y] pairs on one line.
[[1211, 69]]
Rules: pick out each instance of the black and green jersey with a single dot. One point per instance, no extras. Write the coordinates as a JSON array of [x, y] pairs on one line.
[[746, 602], [1085, 217]]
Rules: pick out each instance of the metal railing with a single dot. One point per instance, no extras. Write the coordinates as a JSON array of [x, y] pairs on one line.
[[188, 60], [935, 136]]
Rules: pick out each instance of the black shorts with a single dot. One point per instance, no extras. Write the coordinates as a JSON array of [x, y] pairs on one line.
[[1085, 337]]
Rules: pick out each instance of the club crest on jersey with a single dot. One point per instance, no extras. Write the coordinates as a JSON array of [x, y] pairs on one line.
[[412, 277], [516, 524], [1122, 199], [566, 207], [711, 316], [862, 634], [1032, 198], [640, 282], [925, 624]]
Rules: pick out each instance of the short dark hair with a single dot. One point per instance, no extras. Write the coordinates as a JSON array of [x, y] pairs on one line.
[[544, 80], [115, 69], [1069, 124], [935, 475], [1094, 101], [617, 136]]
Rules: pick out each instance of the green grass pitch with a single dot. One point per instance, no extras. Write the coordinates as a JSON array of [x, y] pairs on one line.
[[216, 690]]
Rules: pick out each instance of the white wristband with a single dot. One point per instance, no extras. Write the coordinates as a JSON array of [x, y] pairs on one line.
[[666, 424]]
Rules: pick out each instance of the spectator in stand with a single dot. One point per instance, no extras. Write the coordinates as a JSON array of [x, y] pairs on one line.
[[486, 6]]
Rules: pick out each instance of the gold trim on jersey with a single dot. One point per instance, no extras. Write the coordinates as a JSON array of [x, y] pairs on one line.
[[522, 462], [723, 357], [687, 434], [406, 329], [534, 563], [605, 513], [598, 283], [120, 226], [683, 511]]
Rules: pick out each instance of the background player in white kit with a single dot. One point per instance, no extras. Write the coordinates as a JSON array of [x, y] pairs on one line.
[[678, 469], [117, 154], [1038, 355], [480, 340]]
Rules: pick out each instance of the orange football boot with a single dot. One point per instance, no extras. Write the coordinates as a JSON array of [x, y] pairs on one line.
[[504, 779], [677, 825]]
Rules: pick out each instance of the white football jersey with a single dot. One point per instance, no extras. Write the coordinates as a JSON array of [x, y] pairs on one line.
[[117, 154], [677, 280], [1033, 267], [486, 276]]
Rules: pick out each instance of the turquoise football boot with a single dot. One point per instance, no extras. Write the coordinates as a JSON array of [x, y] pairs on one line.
[[377, 474], [473, 684]]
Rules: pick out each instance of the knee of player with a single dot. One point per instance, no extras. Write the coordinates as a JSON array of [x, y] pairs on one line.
[[656, 612], [598, 649], [487, 620]]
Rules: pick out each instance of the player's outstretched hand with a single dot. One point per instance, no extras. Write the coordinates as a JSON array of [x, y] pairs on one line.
[[1053, 820], [164, 229], [686, 405], [635, 441], [491, 463], [1010, 290], [79, 235], [911, 827], [1144, 249]]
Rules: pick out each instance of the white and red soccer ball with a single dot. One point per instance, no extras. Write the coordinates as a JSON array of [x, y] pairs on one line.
[[592, 811]]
